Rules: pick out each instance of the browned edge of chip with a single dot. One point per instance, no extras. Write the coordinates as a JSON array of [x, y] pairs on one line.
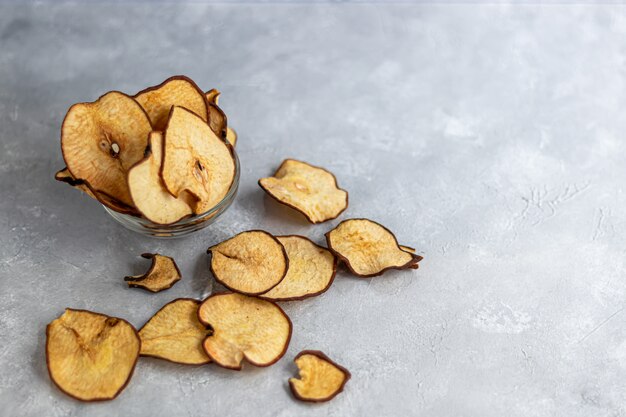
[[209, 251], [240, 367], [198, 302], [172, 78], [412, 264], [303, 297], [322, 356], [296, 208], [130, 375], [152, 257], [100, 196]]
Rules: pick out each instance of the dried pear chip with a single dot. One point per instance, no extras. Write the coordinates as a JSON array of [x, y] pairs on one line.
[[407, 248], [320, 380], [162, 274], [102, 140], [231, 136], [244, 328], [368, 248], [196, 160], [311, 270], [311, 190], [175, 91], [217, 118], [251, 262], [213, 96], [147, 190], [175, 334], [91, 356], [66, 176]]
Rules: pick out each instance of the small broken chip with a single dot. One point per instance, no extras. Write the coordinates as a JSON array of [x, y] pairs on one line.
[[100, 141], [196, 160], [311, 270], [90, 356], [244, 327], [175, 334], [231, 136], [162, 274], [321, 379], [407, 248], [251, 262], [311, 190], [175, 91], [368, 248], [147, 190]]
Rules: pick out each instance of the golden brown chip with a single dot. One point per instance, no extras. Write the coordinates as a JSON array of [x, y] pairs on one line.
[[407, 248], [196, 160], [147, 189], [91, 356], [311, 190], [175, 91], [163, 274], [217, 118], [311, 270], [102, 140], [231, 136], [175, 334], [65, 176], [368, 248], [320, 380], [251, 262], [244, 328], [213, 96]]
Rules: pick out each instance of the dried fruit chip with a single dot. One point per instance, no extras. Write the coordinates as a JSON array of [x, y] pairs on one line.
[[147, 189], [175, 334], [311, 190], [244, 328], [231, 136], [213, 96], [311, 270], [368, 248], [217, 118], [407, 248], [102, 140], [91, 356], [321, 379], [65, 176], [251, 262], [163, 274], [196, 160], [175, 91]]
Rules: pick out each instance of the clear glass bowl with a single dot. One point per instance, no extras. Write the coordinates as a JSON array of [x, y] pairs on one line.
[[185, 226]]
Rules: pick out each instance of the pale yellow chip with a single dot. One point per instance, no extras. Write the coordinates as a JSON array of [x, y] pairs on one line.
[[91, 356], [231, 136], [149, 195], [368, 248], [251, 262], [175, 91], [311, 190], [244, 328], [175, 334], [162, 274], [311, 270], [196, 161], [320, 379], [102, 140]]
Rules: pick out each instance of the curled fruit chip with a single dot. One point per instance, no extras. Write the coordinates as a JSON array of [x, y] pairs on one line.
[[244, 328], [231, 136], [407, 248], [311, 190], [217, 118], [65, 176], [251, 262], [368, 248], [91, 356], [175, 91], [147, 189], [311, 270], [321, 379], [163, 274], [102, 140], [213, 96], [195, 160], [175, 334]]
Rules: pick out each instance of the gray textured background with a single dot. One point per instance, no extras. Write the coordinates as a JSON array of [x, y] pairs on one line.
[[491, 138]]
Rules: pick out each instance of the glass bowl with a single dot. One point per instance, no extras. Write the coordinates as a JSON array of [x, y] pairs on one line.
[[185, 226]]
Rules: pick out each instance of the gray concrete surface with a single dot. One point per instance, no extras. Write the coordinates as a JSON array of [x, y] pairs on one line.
[[491, 138]]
